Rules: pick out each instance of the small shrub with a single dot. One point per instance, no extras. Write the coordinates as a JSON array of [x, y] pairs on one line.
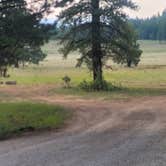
[[97, 86], [66, 81]]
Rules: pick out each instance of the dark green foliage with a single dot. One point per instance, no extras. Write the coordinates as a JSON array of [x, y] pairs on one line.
[[126, 50], [90, 28], [30, 55], [153, 28], [98, 86], [21, 34]]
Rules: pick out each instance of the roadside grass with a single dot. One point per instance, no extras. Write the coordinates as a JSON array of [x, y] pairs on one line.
[[4, 96], [122, 93], [19, 117]]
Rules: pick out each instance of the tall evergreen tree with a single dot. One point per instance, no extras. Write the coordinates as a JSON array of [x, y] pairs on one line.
[[126, 50], [21, 33], [93, 25]]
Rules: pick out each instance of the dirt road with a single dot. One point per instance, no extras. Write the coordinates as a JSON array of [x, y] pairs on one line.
[[101, 133]]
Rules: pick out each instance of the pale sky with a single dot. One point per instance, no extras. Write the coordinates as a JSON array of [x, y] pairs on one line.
[[148, 8]]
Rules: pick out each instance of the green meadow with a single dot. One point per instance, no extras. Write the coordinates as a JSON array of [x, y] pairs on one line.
[[150, 72]]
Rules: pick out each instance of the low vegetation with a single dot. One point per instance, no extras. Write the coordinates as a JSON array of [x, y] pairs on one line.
[[116, 93], [94, 85], [17, 118]]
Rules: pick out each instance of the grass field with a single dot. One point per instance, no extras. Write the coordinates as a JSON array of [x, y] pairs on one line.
[[150, 72], [16, 118], [147, 79], [154, 53]]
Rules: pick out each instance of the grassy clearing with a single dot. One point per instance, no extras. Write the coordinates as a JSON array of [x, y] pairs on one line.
[[130, 78], [17, 118], [150, 74], [154, 53]]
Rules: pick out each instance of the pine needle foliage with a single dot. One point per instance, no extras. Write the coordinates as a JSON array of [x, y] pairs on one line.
[[90, 26]]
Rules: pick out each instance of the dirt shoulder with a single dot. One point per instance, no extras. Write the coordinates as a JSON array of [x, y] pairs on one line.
[[87, 113]]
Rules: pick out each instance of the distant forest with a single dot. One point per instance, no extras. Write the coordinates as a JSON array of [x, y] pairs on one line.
[[153, 28]]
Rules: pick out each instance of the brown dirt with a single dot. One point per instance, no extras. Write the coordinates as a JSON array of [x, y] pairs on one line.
[[94, 114]]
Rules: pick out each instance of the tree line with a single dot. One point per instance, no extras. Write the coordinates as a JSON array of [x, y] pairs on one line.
[[153, 28]]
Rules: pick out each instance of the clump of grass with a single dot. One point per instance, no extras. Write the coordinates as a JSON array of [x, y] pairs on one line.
[[120, 92], [98, 86], [17, 118]]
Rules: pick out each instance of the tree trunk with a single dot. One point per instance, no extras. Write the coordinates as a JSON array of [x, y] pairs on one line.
[[5, 72], [96, 43], [1, 72], [17, 64], [129, 63]]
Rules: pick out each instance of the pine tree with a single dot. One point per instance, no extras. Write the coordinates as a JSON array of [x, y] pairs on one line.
[[126, 50], [92, 25], [21, 33]]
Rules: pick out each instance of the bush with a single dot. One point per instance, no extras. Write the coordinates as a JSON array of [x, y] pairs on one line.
[[67, 81], [97, 86]]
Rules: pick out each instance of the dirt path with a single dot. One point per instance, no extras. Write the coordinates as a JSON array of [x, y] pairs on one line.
[[101, 133]]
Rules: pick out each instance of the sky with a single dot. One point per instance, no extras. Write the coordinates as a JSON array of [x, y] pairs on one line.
[[148, 8]]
